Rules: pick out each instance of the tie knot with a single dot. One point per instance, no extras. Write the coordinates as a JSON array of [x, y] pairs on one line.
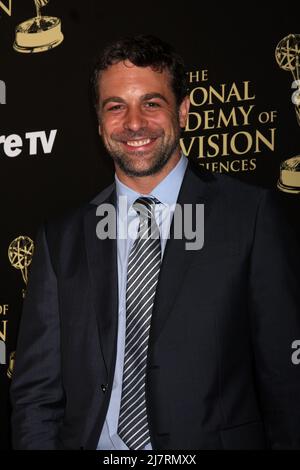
[[144, 206]]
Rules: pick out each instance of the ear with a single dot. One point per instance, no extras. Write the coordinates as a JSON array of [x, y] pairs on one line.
[[184, 111], [99, 124]]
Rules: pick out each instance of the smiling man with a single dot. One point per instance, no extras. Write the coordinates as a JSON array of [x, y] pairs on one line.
[[139, 121], [138, 342]]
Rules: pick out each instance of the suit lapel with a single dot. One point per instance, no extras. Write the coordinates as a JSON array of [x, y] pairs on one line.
[[102, 262], [195, 189]]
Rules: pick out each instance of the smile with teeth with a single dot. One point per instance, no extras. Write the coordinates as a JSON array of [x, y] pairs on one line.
[[138, 143]]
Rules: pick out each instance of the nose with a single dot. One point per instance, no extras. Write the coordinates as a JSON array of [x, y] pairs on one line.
[[135, 119]]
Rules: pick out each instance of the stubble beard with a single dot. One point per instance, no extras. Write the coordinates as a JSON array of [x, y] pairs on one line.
[[161, 155]]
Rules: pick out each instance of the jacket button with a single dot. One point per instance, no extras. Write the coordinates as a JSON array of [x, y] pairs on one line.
[[103, 388]]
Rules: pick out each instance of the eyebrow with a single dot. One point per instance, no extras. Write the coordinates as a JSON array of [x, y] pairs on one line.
[[150, 96], [114, 99], [147, 96]]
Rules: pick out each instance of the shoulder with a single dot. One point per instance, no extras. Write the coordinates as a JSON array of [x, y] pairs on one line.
[[226, 187], [71, 223], [74, 214], [239, 200]]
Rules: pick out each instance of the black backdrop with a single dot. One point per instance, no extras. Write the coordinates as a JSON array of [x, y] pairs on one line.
[[49, 91]]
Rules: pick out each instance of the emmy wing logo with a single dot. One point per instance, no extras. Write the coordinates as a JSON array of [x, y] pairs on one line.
[[287, 55], [20, 254], [40, 33]]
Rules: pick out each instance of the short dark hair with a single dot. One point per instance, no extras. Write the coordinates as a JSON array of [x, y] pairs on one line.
[[143, 51]]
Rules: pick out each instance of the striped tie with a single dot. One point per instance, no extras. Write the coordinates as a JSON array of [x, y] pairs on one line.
[[142, 276]]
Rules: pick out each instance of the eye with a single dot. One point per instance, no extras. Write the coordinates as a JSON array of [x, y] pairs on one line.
[[115, 107], [152, 104]]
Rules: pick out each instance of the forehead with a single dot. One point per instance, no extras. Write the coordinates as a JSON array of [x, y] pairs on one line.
[[125, 78]]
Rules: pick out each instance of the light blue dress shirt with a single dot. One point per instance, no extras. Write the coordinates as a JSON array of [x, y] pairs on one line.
[[127, 222]]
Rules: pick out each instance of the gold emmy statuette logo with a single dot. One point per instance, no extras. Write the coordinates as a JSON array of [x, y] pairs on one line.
[[20, 254], [11, 364], [40, 33], [287, 55]]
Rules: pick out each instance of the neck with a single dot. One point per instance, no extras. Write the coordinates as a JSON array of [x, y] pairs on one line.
[[145, 184]]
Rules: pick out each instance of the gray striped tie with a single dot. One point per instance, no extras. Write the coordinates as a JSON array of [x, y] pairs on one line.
[[142, 276]]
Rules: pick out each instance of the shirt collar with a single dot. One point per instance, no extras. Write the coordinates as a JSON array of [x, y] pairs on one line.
[[166, 191]]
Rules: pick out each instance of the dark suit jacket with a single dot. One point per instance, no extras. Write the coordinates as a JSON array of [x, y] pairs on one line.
[[219, 371]]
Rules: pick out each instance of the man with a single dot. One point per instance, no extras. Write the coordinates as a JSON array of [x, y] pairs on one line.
[[145, 342]]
